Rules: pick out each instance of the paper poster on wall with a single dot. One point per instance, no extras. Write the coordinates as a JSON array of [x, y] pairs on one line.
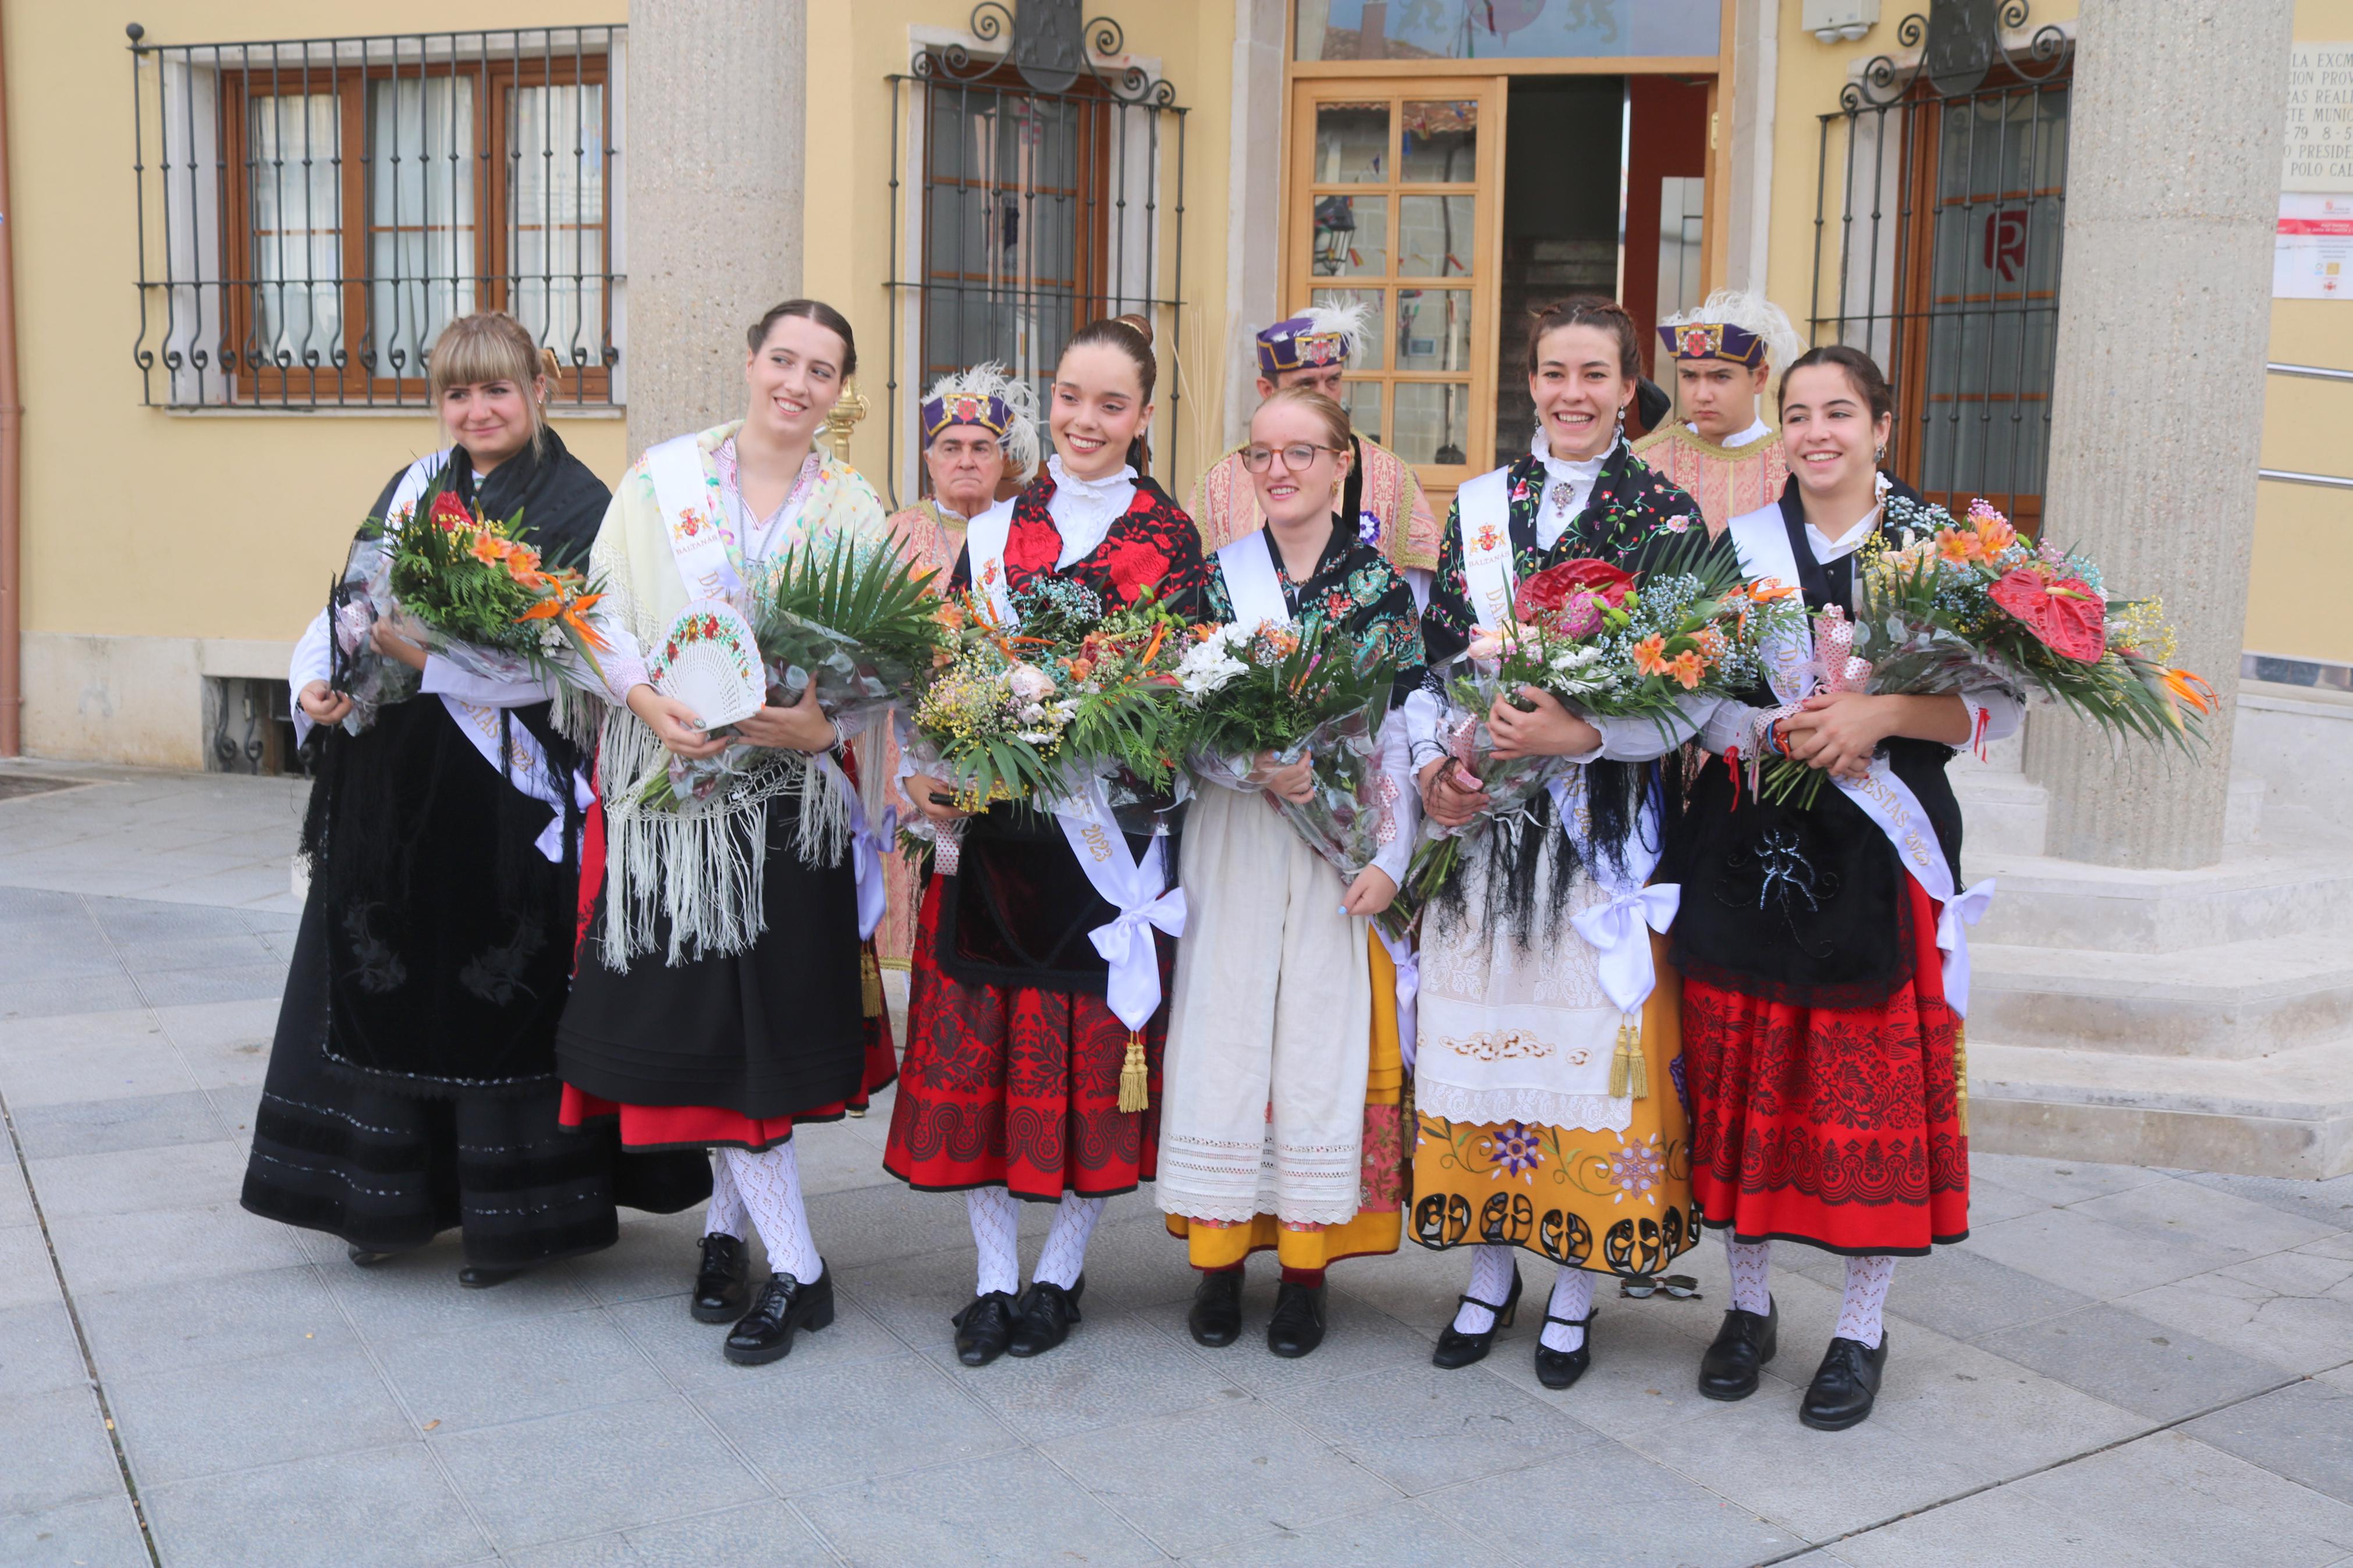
[[2311, 258]]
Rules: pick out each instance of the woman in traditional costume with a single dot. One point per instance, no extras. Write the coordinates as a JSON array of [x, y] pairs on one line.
[[412, 1085], [1547, 1122], [1279, 1121], [1822, 1059], [719, 1001], [1015, 1056], [980, 435]]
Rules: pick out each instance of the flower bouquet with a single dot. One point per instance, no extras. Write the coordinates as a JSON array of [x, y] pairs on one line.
[[1945, 607], [466, 589], [1064, 685], [1272, 688], [852, 616], [1608, 645]]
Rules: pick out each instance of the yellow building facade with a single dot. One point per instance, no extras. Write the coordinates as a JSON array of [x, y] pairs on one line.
[[1211, 164]]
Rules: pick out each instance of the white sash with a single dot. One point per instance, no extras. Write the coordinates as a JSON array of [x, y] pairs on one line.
[[1407, 960], [525, 765], [1484, 506], [1617, 930], [1248, 566], [1762, 540], [1139, 892], [688, 501], [983, 542]]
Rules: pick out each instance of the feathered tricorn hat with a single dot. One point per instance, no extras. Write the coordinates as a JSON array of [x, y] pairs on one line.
[[1321, 334], [1736, 325]]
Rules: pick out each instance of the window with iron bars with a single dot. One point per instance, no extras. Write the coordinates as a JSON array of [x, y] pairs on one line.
[[1937, 236], [313, 213], [1034, 212]]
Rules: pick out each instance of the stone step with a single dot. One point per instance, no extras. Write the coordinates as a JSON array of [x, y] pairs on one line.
[[2004, 812], [2225, 1002], [2257, 893], [2287, 1114]]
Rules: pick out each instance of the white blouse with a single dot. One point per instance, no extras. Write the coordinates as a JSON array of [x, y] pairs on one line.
[[1084, 509]]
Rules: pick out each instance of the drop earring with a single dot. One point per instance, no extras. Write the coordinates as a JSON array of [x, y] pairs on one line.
[[1879, 458], [1619, 433]]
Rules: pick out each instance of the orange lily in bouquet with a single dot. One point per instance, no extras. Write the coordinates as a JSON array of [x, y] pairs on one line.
[[465, 588]]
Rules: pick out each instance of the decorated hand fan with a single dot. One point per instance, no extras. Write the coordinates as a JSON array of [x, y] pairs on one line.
[[709, 661]]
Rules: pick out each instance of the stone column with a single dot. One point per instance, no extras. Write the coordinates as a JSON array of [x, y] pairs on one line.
[[1253, 207], [714, 147], [2173, 172], [1747, 207]]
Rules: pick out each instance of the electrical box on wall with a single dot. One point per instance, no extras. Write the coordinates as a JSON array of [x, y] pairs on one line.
[[1833, 21]]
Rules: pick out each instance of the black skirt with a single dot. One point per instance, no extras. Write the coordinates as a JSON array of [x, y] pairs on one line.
[[773, 1031], [1020, 909], [385, 1169]]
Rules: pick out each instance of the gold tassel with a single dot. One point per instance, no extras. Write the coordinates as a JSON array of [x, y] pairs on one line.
[[870, 977], [1134, 1077], [1961, 1073], [1630, 1073]]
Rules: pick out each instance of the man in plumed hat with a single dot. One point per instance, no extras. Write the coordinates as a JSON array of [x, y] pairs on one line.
[[1720, 449], [1381, 495]]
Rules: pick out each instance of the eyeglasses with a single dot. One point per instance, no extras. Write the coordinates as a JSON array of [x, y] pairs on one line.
[[1297, 455], [1681, 1287]]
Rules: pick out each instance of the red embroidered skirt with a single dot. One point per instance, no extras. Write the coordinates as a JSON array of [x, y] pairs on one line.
[[1835, 1126], [1018, 1087]]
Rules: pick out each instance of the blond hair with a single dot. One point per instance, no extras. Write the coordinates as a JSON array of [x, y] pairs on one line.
[[491, 345], [1327, 413]]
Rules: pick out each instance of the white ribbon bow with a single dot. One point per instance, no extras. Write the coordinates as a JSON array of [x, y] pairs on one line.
[[550, 841], [1616, 930], [1964, 909], [867, 848], [1407, 960], [1139, 891]]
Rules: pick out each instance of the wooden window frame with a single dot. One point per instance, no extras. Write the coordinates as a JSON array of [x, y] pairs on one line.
[[493, 152]]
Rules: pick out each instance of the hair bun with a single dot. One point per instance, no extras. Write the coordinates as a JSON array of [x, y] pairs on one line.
[[551, 366], [1140, 325]]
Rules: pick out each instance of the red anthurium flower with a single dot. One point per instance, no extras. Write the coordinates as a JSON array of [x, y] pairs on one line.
[[449, 512], [1554, 586], [2065, 613]]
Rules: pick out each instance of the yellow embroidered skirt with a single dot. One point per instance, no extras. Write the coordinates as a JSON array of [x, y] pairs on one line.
[[1617, 1202], [1380, 1222]]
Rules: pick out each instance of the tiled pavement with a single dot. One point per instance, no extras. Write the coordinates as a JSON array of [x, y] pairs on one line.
[[2122, 1368]]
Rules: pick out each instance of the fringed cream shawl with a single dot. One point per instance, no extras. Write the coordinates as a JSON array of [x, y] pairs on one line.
[[702, 869]]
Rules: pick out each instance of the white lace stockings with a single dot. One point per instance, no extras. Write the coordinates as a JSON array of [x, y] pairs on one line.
[[1490, 1280], [1065, 1256], [1866, 1298], [1752, 1274], [725, 1214], [769, 1187], [996, 1231], [1572, 1299]]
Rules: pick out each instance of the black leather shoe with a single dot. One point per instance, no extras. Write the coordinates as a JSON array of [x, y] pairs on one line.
[[721, 1286], [1845, 1385], [1042, 1318], [785, 1306], [1743, 1345], [1297, 1326], [365, 1259], [1456, 1348], [1561, 1368], [1217, 1315], [983, 1328], [474, 1278]]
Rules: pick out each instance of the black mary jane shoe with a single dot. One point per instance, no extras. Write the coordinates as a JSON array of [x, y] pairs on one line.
[[365, 1258], [784, 1307], [1042, 1318], [1217, 1315], [1297, 1326], [1743, 1345], [474, 1278], [1456, 1348], [983, 1328], [722, 1282], [1561, 1368], [1845, 1385]]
